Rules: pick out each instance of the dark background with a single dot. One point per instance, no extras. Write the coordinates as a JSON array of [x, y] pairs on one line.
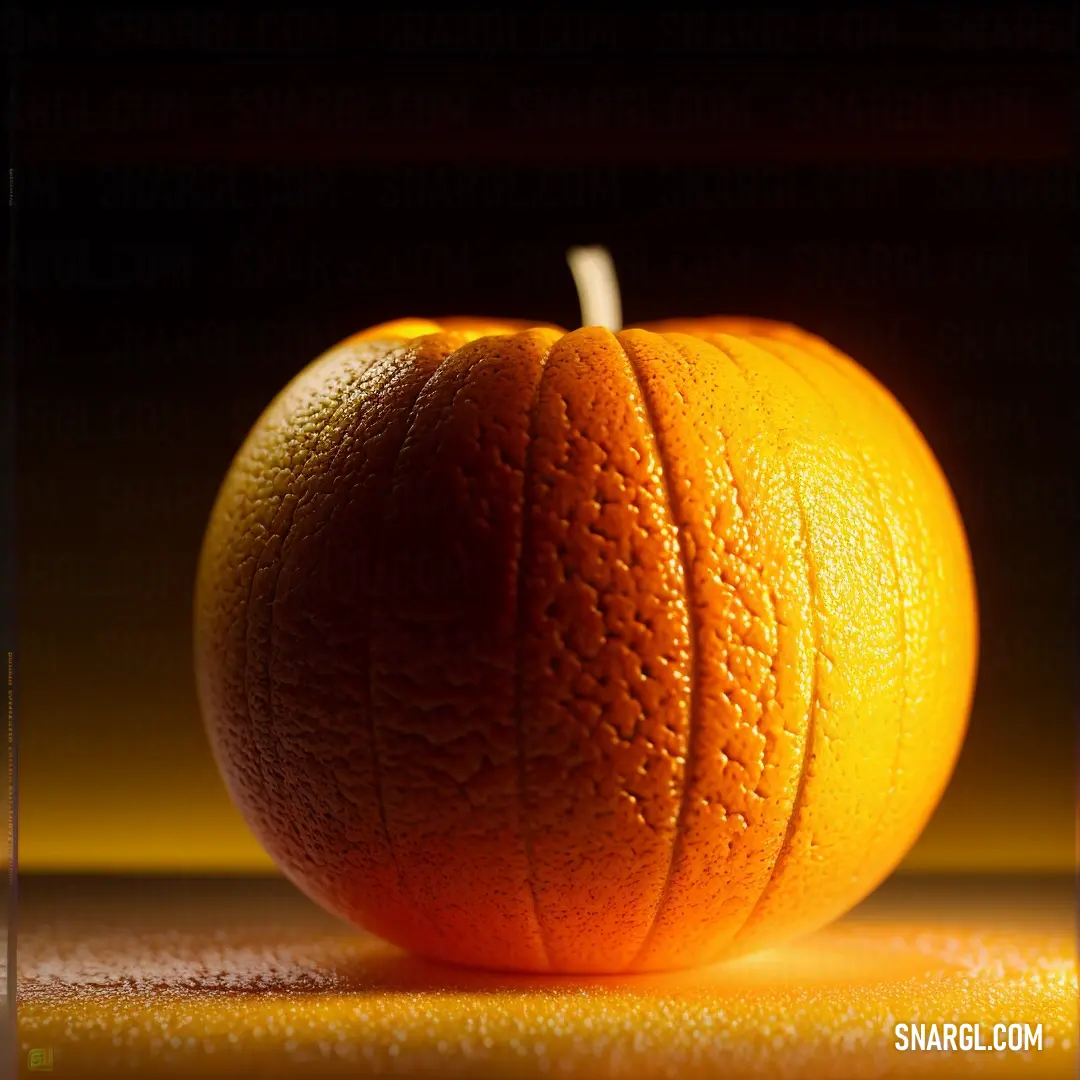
[[204, 201]]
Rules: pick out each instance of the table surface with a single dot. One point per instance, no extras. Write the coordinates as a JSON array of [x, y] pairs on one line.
[[246, 977]]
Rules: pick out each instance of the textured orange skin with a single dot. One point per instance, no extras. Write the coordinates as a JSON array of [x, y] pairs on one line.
[[584, 652]]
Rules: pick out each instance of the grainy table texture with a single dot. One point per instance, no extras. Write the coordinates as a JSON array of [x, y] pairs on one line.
[[245, 977]]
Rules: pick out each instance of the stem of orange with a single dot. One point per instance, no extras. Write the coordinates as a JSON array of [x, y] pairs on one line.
[[597, 286]]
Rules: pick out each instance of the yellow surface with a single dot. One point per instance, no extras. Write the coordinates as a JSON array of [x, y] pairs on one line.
[[173, 987], [585, 652]]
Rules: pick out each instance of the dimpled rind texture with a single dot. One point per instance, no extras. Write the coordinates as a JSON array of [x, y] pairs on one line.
[[585, 652]]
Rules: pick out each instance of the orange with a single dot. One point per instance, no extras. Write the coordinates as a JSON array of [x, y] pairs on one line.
[[587, 651]]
